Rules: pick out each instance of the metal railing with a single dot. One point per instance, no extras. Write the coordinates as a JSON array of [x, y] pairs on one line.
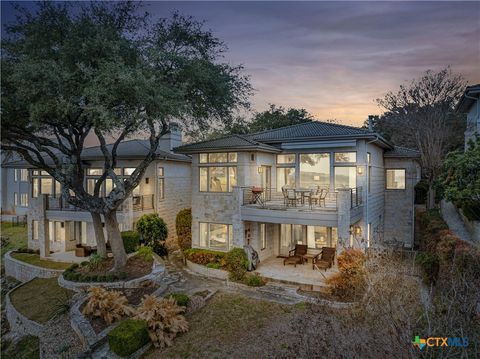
[[143, 202], [356, 197], [139, 203]]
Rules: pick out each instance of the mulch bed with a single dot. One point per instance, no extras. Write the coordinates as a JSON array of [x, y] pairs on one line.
[[134, 296], [136, 267]]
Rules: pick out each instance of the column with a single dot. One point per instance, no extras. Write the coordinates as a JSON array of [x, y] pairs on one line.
[[343, 207]]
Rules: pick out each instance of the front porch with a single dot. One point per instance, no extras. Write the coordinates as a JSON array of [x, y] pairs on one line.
[[303, 274]]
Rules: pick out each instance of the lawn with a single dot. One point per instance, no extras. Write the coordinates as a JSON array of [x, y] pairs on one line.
[[35, 260], [27, 347], [17, 235], [41, 299]]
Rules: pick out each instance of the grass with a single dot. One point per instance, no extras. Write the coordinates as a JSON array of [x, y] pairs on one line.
[[34, 259], [41, 299], [17, 234], [27, 347]]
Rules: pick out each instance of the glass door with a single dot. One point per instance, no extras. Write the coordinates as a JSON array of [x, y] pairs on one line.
[[267, 182]]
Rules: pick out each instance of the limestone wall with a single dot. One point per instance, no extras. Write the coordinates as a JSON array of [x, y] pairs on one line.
[[25, 272]]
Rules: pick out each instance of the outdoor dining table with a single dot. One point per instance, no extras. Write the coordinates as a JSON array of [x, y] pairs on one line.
[[302, 192], [257, 195]]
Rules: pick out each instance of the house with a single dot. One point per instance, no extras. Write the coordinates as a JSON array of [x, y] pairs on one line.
[[470, 104], [237, 181], [56, 226]]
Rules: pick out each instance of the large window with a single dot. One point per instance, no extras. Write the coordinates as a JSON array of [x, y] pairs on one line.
[[220, 157], [395, 179], [315, 237], [315, 170], [318, 237], [24, 175], [286, 158], [346, 157], [217, 179], [345, 177], [216, 236], [24, 199]]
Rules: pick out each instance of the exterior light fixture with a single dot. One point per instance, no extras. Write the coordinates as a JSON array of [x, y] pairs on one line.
[[360, 170], [146, 180], [358, 230], [260, 169]]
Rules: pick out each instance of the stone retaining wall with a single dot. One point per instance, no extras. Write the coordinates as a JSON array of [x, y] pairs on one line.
[[18, 322], [207, 272], [25, 272]]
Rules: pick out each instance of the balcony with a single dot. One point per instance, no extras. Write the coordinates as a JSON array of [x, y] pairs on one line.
[[138, 203]]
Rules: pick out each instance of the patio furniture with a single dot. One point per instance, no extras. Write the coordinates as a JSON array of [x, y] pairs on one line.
[[293, 260], [292, 196], [324, 259], [299, 251], [83, 251], [257, 195], [320, 196]]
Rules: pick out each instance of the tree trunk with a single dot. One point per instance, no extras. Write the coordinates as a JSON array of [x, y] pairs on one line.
[[115, 238], [431, 196], [99, 234]]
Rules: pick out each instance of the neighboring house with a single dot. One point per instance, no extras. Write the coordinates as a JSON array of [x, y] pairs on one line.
[[470, 105], [368, 183], [164, 189]]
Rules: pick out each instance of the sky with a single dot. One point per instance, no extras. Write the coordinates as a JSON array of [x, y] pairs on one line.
[[335, 58]]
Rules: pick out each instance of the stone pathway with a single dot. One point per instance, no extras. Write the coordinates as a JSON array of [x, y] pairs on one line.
[[454, 221]]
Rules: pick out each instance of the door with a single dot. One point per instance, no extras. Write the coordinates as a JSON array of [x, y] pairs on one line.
[[267, 182]]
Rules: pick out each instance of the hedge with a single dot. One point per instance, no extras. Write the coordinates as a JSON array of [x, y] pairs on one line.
[[205, 256], [183, 226], [236, 262], [128, 337], [72, 275], [131, 241]]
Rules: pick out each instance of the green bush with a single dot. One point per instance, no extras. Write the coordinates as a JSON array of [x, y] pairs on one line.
[[152, 228], [128, 337], [205, 256], [253, 280], [131, 241], [236, 262], [183, 226], [213, 265], [471, 210], [146, 252], [181, 299], [430, 264], [160, 249]]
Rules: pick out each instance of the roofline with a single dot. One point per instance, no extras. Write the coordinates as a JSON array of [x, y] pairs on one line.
[[266, 148], [464, 99], [372, 135]]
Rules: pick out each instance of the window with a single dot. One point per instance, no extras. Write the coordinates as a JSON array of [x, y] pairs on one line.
[[15, 198], [348, 157], [263, 236], [315, 170], [35, 230], [161, 183], [345, 177], [15, 175], [91, 185], [369, 158], [217, 179], [24, 199], [221, 157], [286, 158], [396, 179], [24, 175], [94, 171], [369, 234], [128, 171], [203, 157], [216, 236], [369, 161], [285, 177]]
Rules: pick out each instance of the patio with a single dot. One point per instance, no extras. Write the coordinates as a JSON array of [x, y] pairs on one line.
[[272, 268], [67, 257]]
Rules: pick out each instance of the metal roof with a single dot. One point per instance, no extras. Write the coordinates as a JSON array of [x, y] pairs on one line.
[[404, 152]]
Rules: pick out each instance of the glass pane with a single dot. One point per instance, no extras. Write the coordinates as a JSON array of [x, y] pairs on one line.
[[51, 231], [396, 179], [217, 157], [203, 157], [334, 236], [59, 231], [285, 177], [218, 179], [108, 186], [218, 236], [128, 171], [117, 171], [35, 230], [232, 171], [369, 157], [203, 179], [58, 189], [160, 171], [317, 237], [285, 238], [288, 158], [203, 234], [91, 185], [345, 157], [298, 237], [345, 177], [94, 171], [232, 157], [24, 175], [35, 185], [46, 185], [315, 170]]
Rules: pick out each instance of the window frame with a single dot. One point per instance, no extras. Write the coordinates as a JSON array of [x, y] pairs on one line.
[[229, 241], [286, 164], [23, 199], [229, 187], [343, 162], [204, 158], [404, 179], [161, 182]]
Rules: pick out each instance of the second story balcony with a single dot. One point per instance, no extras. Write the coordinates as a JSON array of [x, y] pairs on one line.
[[135, 202]]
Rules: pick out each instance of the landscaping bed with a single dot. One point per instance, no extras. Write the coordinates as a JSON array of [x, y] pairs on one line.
[[35, 260]]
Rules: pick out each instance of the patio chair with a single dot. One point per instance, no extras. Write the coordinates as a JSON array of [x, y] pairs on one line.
[[292, 197], [299, 251], [324, 260], [320, 197]]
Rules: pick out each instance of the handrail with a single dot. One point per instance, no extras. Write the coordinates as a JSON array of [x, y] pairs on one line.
[[139, 202], [356, 199]]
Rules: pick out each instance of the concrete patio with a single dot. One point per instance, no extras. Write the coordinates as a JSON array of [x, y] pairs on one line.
[[303, 274], [67, 257]]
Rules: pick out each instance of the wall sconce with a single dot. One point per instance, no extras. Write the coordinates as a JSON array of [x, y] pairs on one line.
[[146, 180], [260, 169], [360, 170], [358, 230]]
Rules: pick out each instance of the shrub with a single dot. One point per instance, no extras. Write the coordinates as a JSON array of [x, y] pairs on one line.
[[205, 256], [446, 246], [181, 299], [131, 241], [183, 226], [164, 319], [94, 261], [350, 282], [213, 265], [128, 337], [236, 262], [146, 252], [471, 210], [160, 249], [430, 265], [108, 305], [253, 280], [152, 228]]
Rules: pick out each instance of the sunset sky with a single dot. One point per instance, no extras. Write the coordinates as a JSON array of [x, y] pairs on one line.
[[335, 59]]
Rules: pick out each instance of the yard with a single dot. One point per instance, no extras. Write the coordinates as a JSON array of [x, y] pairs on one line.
[[34, 259], [17, 236]]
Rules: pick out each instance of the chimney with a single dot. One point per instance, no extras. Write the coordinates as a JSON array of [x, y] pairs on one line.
[[171, 139], [370, 123]]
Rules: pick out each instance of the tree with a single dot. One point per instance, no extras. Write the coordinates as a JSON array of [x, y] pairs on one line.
[[460, 180], [103, 71], [421, 113]]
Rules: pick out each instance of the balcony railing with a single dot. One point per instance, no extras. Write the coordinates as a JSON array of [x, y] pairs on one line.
[[356, 197], [139, 203], [142, 202]]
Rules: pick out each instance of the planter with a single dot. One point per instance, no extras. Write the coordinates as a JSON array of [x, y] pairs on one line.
[[18, 322], [25, 272], [207, 272]]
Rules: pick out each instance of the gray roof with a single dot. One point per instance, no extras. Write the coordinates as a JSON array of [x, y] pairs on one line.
[[232, 142], [402, 152], [266, 140], [465, 102]]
